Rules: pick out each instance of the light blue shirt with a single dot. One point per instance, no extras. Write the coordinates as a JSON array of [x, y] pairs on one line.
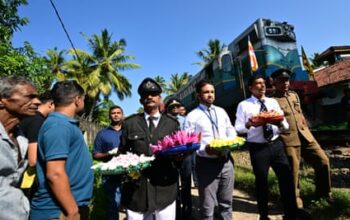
[[213, 125], [13, 203], [251, 107]]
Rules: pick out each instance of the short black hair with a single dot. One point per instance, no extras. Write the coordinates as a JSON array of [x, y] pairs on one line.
[[63, 92], [45, 97], [114, 107], [200, 84], [254, 77]]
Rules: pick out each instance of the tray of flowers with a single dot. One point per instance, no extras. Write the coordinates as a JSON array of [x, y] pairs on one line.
[[177, 143], [128, 163], [271, 117], [227, 144]]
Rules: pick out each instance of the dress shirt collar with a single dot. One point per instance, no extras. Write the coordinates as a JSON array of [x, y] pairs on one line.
[[204, 107], [156, 117], [256, 100]]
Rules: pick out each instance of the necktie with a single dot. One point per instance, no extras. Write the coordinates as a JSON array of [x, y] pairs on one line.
[[151, 126], [213, 121], [267, 128]]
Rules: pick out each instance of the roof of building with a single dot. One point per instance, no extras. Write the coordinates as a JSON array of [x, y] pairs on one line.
[[335, 73], [332, 50]]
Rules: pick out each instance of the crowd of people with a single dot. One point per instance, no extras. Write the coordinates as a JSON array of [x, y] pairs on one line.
[[45, 164]]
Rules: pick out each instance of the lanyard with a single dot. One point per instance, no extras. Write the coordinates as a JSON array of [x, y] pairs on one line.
[[214, 124]]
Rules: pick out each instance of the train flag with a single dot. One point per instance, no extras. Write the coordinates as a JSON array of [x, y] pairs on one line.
[[252, 58], [306, 63]]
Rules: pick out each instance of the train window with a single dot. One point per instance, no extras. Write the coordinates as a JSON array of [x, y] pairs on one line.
[[226, 63]]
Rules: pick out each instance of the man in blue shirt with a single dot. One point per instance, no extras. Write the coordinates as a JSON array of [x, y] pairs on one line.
[[64, 163], [106, 140]]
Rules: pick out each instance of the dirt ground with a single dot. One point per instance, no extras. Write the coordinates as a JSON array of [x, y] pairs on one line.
[[244, 207]]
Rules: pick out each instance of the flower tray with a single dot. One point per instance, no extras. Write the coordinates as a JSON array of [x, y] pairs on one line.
[[191, 147]]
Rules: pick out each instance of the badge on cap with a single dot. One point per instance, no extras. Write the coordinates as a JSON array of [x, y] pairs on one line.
[[150, 85]]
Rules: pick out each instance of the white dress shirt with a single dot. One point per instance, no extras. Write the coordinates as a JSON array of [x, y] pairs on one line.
[[155, 120], [213, 125], [251, 107]]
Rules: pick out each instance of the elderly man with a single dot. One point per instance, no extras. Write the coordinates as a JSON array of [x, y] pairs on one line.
[[18, 98], [154, 193]]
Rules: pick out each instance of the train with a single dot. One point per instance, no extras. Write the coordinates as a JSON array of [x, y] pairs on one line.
[[275, 47]]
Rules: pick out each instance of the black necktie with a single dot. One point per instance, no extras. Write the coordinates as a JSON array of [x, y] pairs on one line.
[[151, 126], [267, 128]]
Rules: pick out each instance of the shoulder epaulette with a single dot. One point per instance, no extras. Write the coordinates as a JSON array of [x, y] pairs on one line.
[[294, 93]]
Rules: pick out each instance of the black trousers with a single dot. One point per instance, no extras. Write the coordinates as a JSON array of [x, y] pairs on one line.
[[264, 156], [184, 199]]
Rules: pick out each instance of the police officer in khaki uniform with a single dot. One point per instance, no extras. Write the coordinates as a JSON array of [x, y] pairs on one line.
[[154, 193], [298, 139]]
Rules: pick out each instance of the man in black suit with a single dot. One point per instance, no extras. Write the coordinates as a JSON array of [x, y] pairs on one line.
[[154, 193]]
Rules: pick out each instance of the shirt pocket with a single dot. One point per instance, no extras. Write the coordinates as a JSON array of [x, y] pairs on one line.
[[286, 109], [136, 136], [138, 142]]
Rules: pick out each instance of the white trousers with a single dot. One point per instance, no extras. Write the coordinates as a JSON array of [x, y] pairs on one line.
[[168, 213]]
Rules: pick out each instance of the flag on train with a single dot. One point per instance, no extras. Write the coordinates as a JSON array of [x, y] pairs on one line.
[[306, 63], [252, 58]]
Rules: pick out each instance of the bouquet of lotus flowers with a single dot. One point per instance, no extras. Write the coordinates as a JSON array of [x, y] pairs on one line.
[[227, 144], [177, 143], [130, 164]]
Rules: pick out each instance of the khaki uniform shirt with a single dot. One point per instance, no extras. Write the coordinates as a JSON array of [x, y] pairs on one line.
[[291, 106]]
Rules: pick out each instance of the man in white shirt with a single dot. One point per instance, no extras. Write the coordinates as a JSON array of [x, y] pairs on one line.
[[214, 170], [265, 148]]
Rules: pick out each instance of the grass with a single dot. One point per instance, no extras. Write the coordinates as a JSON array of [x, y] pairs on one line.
[[319, 208], [332, 127], [99, 200]]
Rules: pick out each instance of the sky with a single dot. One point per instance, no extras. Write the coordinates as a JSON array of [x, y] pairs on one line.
[[164, 35]]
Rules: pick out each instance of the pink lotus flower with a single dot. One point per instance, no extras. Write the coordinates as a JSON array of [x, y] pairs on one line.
[[178, 138]]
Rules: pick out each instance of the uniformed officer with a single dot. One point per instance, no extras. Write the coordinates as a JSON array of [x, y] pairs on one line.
[[298, 140], [154, 193]]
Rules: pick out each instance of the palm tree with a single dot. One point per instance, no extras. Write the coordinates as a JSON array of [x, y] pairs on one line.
[[177, 81], [55, 61], [100, 72], [161, 81], [101, 112], [315, 62], [209, 54]]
